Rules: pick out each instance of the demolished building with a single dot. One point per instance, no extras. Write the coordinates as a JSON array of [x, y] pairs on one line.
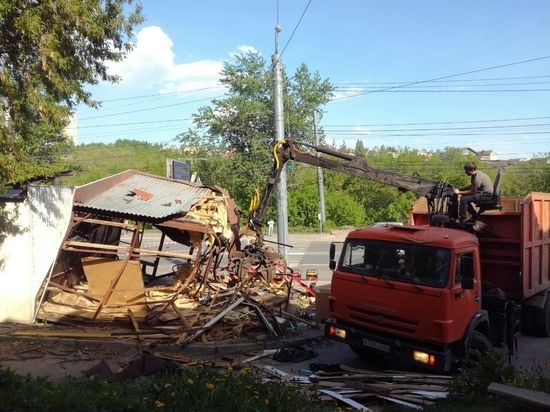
[[103, 272]]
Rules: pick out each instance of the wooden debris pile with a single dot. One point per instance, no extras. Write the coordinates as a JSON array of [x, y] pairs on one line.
[[364, 389], [183, 309], [361, 389], [195, 281]]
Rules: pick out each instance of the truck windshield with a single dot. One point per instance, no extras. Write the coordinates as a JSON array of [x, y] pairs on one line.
[[411, 263]]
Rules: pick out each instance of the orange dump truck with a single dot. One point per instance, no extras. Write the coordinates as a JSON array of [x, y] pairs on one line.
[[435, 296]]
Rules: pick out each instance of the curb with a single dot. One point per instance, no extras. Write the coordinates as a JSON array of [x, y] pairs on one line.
[[246, 347], [216, 349]]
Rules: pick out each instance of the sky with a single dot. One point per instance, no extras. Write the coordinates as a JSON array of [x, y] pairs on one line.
[[417, 74]]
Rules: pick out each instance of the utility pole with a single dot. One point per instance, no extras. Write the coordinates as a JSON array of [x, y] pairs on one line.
[[320, 185], [281, 189]]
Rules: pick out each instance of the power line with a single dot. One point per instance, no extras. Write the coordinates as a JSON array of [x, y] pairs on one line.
[[296, 27], [451, 81], [452, 122], [148, 109], [446, 77]]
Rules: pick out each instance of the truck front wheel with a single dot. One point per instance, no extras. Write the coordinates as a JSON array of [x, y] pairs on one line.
[[542, 319], [479, 345]]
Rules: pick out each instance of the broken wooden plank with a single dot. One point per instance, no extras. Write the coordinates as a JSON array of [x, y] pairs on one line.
[[135, 324], [524, 395], [345, 400], [68, 334], [401, 402], [261, 355], [276, 372], [214, 320], [184, 334], [268, 325]]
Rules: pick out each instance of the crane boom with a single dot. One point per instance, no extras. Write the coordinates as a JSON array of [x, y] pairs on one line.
[[436, 192]]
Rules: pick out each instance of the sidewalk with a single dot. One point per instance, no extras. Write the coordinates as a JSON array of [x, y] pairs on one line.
[[61, 358]]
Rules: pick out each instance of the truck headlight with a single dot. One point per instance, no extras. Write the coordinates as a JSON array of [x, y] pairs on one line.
[[424, 358], [339, 333]]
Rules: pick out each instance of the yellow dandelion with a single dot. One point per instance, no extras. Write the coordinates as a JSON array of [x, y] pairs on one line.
[[190, 381], [244, 371], [230, 368], [167, 385], [185, 366], [159, 404], [266, 401], [209, 385], [173, 394]]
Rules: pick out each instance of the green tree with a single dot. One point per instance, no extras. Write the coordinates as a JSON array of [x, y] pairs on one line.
[[520, 178], [98, 160], [360, 148], [237, 132], [49, 52]]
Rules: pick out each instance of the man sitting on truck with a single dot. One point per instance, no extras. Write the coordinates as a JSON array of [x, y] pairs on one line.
[[480, 184]]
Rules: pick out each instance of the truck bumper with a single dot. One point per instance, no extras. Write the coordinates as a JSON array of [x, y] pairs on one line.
[[413, 353]]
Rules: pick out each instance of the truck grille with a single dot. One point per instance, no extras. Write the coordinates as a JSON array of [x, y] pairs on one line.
[[389, 322]]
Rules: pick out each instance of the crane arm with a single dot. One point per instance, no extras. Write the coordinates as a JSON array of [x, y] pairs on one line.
[[437, 192]]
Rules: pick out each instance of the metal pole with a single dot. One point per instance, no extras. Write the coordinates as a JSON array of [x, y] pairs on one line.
[[320, 185], [282, 206]]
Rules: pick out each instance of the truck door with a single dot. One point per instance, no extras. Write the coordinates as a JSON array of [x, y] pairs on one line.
[[465, 303]]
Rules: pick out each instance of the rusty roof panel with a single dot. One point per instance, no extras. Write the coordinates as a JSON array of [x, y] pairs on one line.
[[143, 195]]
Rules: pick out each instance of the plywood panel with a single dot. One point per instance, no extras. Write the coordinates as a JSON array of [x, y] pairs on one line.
[[100, 272]]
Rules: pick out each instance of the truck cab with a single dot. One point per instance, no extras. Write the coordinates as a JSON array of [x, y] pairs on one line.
[[409, 292]]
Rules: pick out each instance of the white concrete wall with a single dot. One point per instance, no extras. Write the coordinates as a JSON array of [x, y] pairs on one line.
[[27, 255]]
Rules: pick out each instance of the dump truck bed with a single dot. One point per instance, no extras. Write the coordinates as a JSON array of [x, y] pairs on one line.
[[514, 243]]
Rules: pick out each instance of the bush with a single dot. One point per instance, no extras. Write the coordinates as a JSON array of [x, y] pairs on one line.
[[191, 389]]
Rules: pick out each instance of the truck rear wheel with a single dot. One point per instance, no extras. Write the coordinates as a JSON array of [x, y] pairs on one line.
[[542, 319]]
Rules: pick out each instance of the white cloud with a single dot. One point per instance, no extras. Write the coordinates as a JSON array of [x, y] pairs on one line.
[[245, 49], [150, 60], [151, 64]]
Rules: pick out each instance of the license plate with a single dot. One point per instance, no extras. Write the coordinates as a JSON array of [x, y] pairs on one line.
[[375, 345]]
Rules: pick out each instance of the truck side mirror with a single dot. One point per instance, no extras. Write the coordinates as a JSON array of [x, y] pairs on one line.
[[332, 264]]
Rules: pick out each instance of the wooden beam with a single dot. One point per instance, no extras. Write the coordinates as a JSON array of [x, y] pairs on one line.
[[123, 225], [139, 251]]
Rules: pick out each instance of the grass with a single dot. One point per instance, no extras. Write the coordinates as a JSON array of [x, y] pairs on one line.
[[198, 389], [194, 389]]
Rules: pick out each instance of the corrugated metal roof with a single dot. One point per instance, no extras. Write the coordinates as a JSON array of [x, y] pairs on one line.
[[162, 198]]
